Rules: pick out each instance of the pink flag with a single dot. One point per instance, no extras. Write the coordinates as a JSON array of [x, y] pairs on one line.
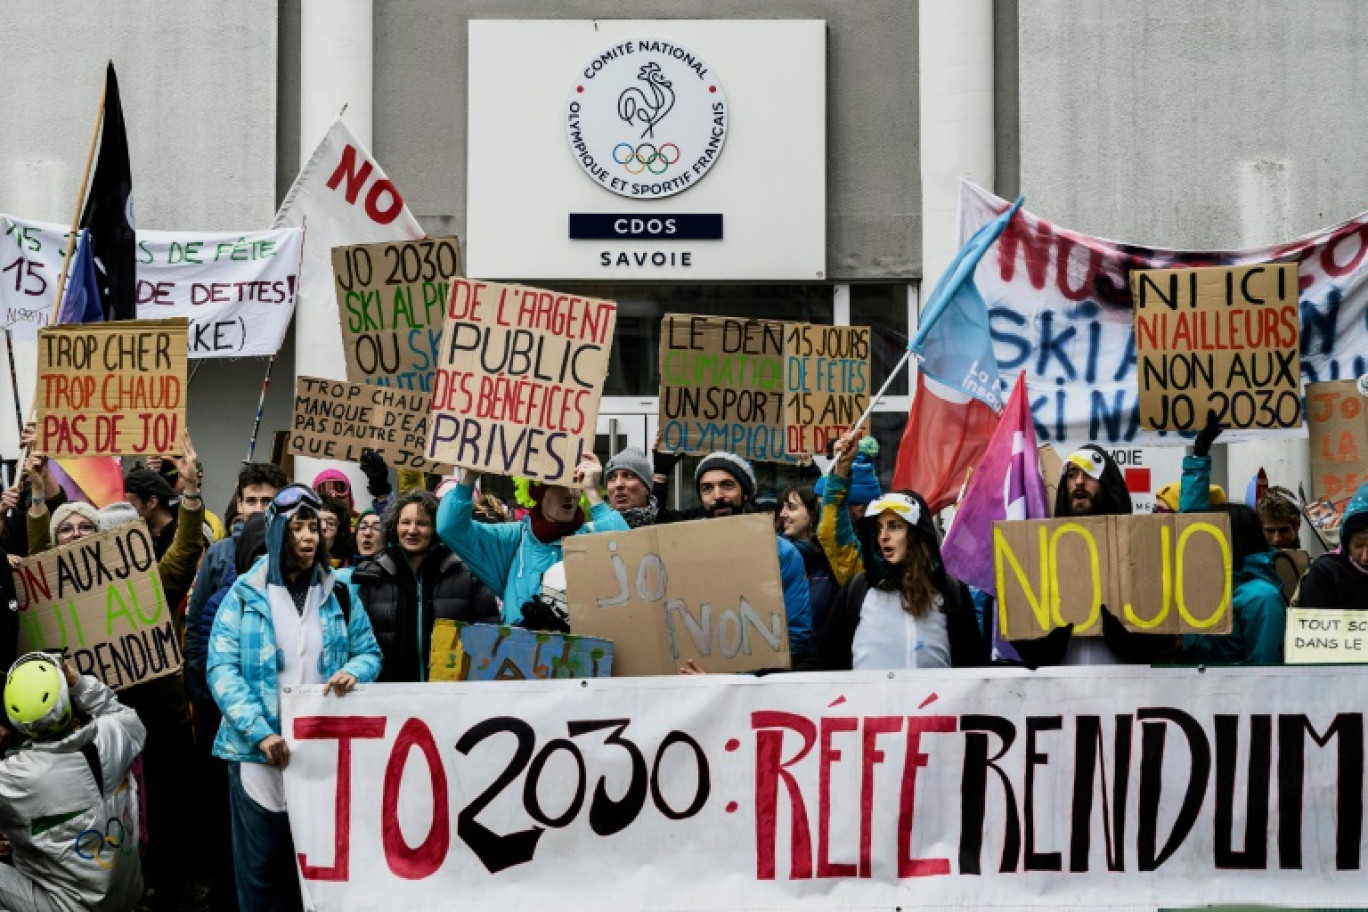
[[1006, 485]]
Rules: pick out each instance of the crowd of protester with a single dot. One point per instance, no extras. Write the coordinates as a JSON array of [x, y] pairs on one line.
[[340, 597]]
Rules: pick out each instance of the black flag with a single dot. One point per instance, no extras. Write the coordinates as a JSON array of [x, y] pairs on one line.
[[108, 213]]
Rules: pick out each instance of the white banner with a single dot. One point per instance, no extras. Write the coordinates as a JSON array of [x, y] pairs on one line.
[[1128, 788], [237, 289], [1059, 307]]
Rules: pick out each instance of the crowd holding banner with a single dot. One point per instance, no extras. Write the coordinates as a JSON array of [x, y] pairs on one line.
[[837, 702]]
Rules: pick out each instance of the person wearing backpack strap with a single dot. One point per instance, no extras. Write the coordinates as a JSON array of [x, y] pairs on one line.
[[281, 625]]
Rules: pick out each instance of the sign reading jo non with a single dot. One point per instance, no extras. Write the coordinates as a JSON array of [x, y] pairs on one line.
[[646, 118]]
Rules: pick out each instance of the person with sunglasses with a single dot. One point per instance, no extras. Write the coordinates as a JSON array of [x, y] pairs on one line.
[[286, 622], [904, 611]]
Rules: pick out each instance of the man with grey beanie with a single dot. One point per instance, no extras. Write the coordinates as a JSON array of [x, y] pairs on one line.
[[629, 479], [726, 486]]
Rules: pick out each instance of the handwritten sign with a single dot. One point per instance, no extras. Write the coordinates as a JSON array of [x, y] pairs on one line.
[[722, 386], [335, 420], [1160, 573], [494, 652], [392, 298], [1223, 338], [100, 602], [707, 590], [111, 389], [1325, 636], [519, 378], [826, 380], [237, 289], [1337, 414]]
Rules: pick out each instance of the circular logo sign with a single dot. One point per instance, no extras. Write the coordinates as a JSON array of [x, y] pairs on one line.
[[646, 119]]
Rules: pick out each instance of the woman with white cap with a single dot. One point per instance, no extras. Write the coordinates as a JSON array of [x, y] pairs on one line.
[[906, 611]]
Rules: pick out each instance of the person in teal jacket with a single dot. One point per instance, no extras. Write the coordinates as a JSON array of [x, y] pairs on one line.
[[1259, 616], [510, 558], [285, 622]]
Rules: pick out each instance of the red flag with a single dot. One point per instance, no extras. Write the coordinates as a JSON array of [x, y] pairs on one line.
[[946, 435]]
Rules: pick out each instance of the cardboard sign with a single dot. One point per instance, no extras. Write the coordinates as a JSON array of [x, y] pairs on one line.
[[99, 601], [1326, 636], [1051, 470], [1337, 414], [1162, 573], [707, 590], [1223, 338], [494, 652], [111, 389], [519, 378], [335, 420], [392, 299], [722, 386], [826, 382]]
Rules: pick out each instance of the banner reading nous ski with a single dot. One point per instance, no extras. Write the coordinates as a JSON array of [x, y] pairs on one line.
[[1129, 788]]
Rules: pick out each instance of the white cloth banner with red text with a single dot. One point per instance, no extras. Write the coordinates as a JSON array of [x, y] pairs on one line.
[[1059, 306], [237, 289], [1129, 788]]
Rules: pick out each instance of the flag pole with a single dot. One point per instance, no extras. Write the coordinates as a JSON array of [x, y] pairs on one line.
[[261, 402], [878, 397], [80, 203]]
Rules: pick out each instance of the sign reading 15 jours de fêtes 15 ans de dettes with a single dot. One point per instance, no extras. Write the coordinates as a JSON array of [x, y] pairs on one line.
[[638, 184]]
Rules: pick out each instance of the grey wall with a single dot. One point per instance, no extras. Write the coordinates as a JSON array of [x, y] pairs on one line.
[[873, 177], [1212, 124], [198, 83]]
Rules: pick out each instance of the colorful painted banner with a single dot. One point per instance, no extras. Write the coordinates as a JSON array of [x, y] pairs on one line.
[[237, 289], [497, 652], [1163, 573], [392, 299], [99, 602], [1060, 308], [707, 591], [826, 382], [111, 389], [519, 380], [1218, 339], [1120, 788], [334, 419]]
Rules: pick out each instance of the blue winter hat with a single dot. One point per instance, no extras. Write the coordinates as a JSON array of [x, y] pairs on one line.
[[864, 483], [1355, 515]]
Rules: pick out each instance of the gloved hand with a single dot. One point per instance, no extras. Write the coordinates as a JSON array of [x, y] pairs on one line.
[[1207, 436], [663, 463], [376, 472]]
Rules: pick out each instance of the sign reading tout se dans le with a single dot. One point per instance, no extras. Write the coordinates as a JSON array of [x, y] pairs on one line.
[[1218, 338], [111, 389], [1160, 573], [392, 298], [99, 601], [519, 377]]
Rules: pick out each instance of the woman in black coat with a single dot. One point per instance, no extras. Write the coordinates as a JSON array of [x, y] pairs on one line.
[[905, 611], [415, 581]]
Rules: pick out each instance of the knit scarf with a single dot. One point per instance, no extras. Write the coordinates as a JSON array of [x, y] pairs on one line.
[[548, 531], [639, 517]]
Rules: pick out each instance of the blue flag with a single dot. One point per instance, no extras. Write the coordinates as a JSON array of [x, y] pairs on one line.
[[953, 343], [81, 303]]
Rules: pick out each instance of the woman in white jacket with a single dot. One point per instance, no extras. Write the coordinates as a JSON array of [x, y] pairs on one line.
[[67, 801]]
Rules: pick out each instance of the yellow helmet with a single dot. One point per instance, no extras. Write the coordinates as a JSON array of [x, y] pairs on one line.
[[37, 700]]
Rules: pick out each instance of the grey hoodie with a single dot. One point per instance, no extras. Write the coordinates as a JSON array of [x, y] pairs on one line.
[[75, 838]]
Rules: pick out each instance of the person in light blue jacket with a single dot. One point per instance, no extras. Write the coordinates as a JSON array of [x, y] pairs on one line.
[[286, 622], [510, 558]]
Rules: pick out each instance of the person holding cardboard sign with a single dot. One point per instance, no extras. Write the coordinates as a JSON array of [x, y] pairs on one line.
[[905, 611], [510, 558]]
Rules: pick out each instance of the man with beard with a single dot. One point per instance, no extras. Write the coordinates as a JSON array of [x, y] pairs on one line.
[[726, 487], [1093, 485]]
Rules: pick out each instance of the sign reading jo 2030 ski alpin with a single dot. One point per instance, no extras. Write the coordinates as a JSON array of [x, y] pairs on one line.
[[646, 118]]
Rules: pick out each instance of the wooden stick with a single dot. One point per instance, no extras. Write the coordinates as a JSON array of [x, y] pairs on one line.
[[80, 204]]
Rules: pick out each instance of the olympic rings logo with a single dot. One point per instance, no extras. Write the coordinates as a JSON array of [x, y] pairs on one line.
[[105, 848], [645, 157]]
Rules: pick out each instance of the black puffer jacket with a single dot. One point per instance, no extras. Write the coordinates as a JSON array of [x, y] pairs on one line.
[[403, 620]]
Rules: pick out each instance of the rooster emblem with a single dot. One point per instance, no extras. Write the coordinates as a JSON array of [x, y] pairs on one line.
[[635, 105]]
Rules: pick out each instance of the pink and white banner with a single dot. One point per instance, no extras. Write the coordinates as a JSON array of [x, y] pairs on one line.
[[1059, 306], [1128, 788]]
